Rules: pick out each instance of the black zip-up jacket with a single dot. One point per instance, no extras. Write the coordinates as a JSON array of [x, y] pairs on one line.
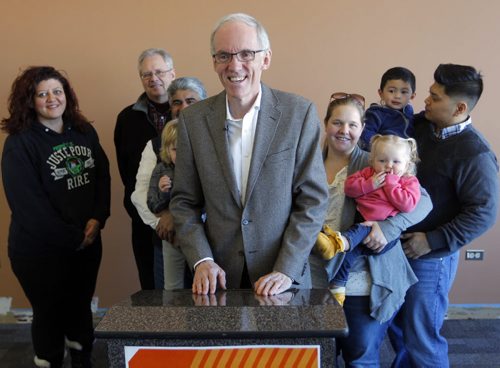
[[132, 131]]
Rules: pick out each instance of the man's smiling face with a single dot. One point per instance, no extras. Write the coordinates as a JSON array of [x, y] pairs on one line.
[[241, 80]]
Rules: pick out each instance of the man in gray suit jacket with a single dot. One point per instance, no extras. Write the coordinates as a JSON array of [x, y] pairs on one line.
[[250, 158]]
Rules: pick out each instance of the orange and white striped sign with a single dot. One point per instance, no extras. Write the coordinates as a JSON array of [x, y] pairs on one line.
[[249, 356]]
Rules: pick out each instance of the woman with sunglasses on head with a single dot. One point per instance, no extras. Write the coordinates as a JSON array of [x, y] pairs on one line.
[[56, 179], [376, 284]]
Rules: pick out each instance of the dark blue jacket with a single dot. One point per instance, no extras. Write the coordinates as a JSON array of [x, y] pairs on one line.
[[384, 120]]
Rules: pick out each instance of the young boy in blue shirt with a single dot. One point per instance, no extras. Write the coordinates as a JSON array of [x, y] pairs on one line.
[[394, 115]]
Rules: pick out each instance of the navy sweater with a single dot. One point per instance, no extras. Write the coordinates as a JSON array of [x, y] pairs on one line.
[[54, 184], [461, 175], [384, 120]]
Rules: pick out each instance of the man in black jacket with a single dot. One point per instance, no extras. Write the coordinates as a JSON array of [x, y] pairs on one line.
[[135, 126]]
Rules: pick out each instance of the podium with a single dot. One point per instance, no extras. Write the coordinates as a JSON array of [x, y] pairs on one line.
[[232, 328]]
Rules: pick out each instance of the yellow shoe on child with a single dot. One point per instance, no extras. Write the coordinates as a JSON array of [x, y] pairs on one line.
[[329, 243], [338, 294]]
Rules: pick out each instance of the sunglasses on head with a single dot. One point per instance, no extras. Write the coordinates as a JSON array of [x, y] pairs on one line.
[[342, 95]]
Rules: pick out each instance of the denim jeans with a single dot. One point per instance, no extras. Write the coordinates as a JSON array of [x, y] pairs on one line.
[[158, 263], [416, 333], [361, 348]]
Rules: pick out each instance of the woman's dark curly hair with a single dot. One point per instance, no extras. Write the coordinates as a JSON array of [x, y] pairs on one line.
[[21, 100]]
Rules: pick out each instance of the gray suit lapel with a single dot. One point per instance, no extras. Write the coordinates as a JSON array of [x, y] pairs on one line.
[[267, 125], [216, 121]]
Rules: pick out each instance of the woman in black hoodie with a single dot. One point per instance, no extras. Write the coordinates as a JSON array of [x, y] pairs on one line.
[[56, 180]]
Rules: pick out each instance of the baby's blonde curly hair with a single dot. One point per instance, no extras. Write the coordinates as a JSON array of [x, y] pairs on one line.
[[409, 143], [168, 139]]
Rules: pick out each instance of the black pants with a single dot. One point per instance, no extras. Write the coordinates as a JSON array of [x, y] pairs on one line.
[[142, 245], [60, 290]]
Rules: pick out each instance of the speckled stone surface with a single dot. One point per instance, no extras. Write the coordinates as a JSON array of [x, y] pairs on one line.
[[232, 317]]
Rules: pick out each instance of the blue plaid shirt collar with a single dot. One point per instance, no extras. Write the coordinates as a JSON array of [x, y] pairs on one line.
[[451, 130]]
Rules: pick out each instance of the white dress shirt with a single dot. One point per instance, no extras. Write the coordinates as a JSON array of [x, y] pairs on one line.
[[140, 195], [241, 135]]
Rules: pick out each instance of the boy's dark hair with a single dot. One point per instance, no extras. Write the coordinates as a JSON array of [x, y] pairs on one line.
[[397, 73], [460, 81]]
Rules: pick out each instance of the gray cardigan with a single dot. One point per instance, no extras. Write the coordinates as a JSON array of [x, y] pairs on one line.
[[157, 200], [391, 273]]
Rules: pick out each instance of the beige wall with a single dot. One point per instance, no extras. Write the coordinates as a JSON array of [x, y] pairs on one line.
[[318, 47]]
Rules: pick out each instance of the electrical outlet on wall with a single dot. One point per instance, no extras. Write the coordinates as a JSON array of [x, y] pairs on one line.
[[5, 303], [474, 255]]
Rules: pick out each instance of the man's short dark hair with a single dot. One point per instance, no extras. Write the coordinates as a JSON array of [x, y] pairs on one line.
[[460, 81], [399, 73]]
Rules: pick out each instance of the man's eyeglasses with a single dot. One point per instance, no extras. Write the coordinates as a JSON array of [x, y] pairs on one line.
[[243, 56], [342, 95], [158, 73]]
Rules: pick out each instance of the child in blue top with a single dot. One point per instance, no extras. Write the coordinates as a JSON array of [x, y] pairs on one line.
[[394, 115]]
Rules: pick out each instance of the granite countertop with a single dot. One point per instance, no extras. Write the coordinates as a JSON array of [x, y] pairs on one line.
[[227, 314]]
